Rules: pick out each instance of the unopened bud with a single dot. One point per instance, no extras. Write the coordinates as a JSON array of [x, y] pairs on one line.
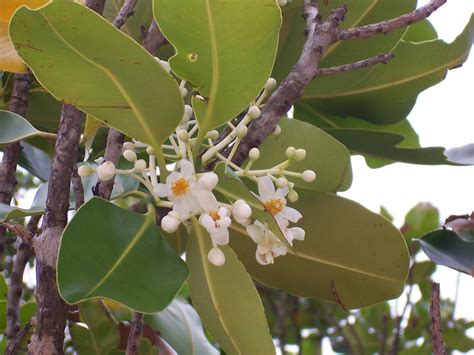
[[106, 171], [170, 224], [300, 154], [150, 150], [271, 84], [282, 2], [241, 210], [128, 146], [183, 135], [188, 113], [208, 181], [276, 131], [165, 65], [140, 165], [290, 152], [253, 112], [216, 257], [84, 170], [241, 131], [213, 134], [184, 92], [308, 176], [293, 196], [254, 154], [281, 182], [130, 155]]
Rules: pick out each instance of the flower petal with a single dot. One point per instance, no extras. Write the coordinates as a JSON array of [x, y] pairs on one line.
[[221, 237], [281, 193], [186, 168], [173, 177], [297, 232], [163, 190], [256, 233], [181, 207], [266, 190], [207, 201], [207, 222], [291, 214]]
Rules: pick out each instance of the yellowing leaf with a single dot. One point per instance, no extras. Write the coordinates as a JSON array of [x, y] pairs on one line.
[[9, 59]]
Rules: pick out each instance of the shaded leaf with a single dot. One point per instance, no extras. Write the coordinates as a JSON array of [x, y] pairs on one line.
[[14, 128], [421, 219], [37, 162], [126, 250], [226, 299]]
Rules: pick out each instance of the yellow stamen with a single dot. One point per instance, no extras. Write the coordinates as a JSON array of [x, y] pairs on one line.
[[214, 215], [274, 206], [180, 187]]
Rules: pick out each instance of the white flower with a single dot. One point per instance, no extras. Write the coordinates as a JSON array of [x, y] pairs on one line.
[[208, 181], [275, 203], [170, 223], [241, 212], [216, 256], [268, 245], [215, 219], [106, 171], [180, 188]]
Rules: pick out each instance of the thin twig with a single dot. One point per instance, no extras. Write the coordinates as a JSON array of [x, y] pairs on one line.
[[336, 295], [125, 12], [280, 314], [378, 59], [96, 5], [14, 346], [436, 328], [78, 188], [19, 231], [390, 25], [383, 337], [154, 39], [136, 332]]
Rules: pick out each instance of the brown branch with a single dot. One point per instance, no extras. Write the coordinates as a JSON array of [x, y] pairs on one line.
[[378, 59], [319, 38], [14, 346], [125, 12], [96, 5], [136, 333], [390, 25], [78, 188], [24, 253], [336, 295], [436, 328], [154, 39], [19, 231]]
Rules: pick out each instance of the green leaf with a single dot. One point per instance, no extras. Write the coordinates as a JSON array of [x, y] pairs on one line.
[[102, 333], [325, 155], [35, 161], [116, 248], [43, 110], [14, 128], [456, 339], [38, 205], [180, 326], [232, 188], [106, 71], [421, 271], [446, 248], [226, 299], [421, 219], [27, 311], [359, 252], [228, 55]]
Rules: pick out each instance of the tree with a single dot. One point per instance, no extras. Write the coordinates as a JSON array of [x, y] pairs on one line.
[[191, 152]]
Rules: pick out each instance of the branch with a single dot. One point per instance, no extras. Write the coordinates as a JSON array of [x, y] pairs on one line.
[[135, 336], [154, 39], [96, 5], [78, 188], [319, 38], [19, 231], [125, 12], [378, 59], [390, 25], [24, 253], [14, 346], [435, 328]]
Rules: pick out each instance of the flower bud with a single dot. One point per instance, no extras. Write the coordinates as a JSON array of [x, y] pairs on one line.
[[128, 146], [293, 196], [308, 176], [106, 171], [241, 210], [300, 154], [150, 150], [290, 152], [170, 224], [165, 65], [140, 165], [213, 134], [84, 170], [216, 257], [281, 182], [208, 181], [183, 135], [282, 2], [184, 92], [130, 155], [271, 84], [188, 113], [253, 112], [241, 131], [276, 131], [254, 154]]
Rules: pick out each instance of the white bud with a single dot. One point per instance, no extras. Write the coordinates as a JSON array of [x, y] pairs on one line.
[[293, 196], [253, 112], [254, 154], [165, 65], [140, 165], [282, 2], [277, 130], [84, 171], [308, 176], [300, 154], [128, 146], [241, 131], [213, 134], [183, 135], [216, 257], [241, 210], [208, 181], [290, 152], [130, 155], [150, 150], [271, 84], [106, 171], [281, 182], [188, 113], [170, 224], [184, 92]]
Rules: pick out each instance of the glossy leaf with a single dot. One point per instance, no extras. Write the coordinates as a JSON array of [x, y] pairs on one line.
[[179, 325], [325, 155], [9, 59], [43, 110], [109, 85], [35, 161], [226, 299], [14, 128], [125, 250], [38, 205], [446, 248], [359, 252], [229, 79], [421, 219]]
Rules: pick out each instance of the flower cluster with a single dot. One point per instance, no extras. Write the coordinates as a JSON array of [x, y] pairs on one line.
[[190, 194]]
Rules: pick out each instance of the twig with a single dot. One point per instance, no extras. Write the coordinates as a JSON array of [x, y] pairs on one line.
[[19, 231], [390, 25], [336, 295], [24, 253], [357, 339], [136, 332], [78, 188], [125, 12], [383, 337], [436, 328], [154, 39], [96, 5], [280, 314], [294, 317], [14, 346], [378, 59], [399, 319]]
